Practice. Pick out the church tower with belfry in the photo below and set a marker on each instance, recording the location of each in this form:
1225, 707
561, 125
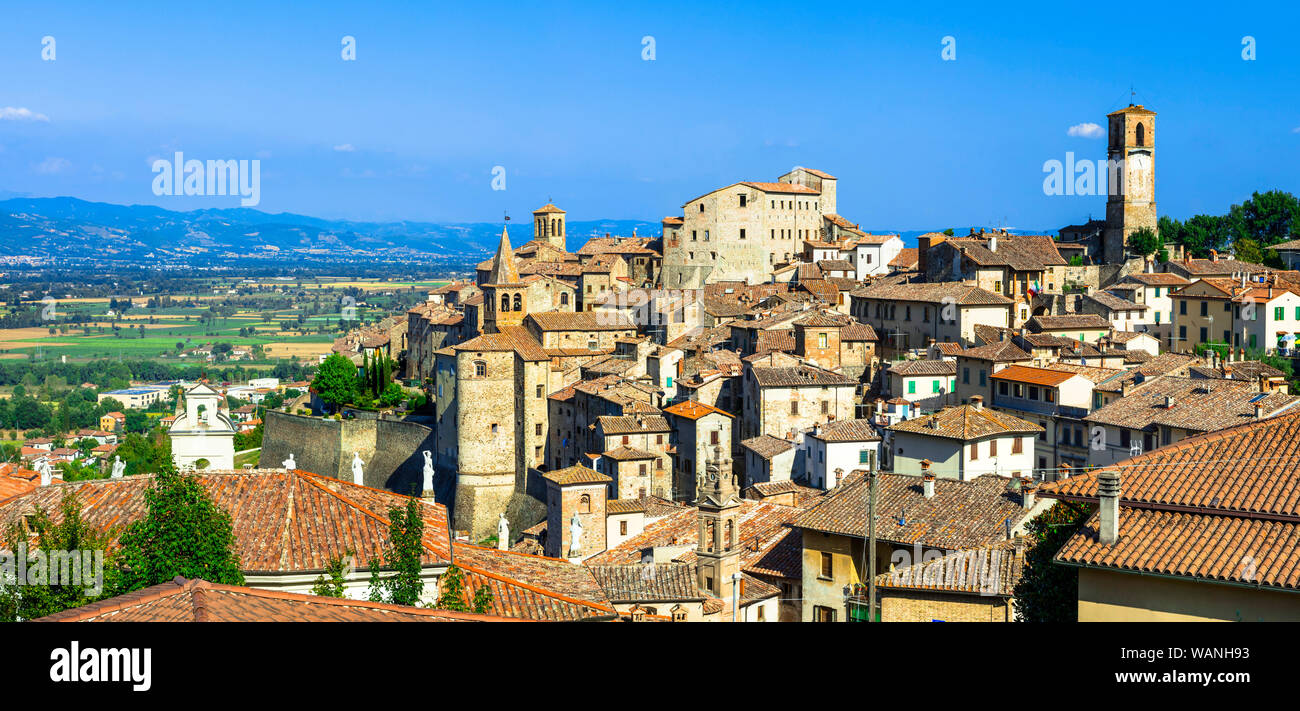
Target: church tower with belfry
505, 297
718, 550
548, 225
1131, 199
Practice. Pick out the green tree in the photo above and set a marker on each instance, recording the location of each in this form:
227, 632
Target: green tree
1048, 592
71, 534
336, 381
1248, 250
402, 552
451, 586
183, 532
333, 586
1203, 233
1266, 218
1144, 241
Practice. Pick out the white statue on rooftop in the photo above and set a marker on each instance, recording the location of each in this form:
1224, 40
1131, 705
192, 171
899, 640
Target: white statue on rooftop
289, 463
47, 475
119, 467
503, 532
428, 470
358, 474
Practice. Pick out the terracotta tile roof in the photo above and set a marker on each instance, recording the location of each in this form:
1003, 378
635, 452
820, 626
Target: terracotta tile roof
637, 582
992, 569
1068, 321
908, 258
966, 422
16, 480
184, 600
767, 446
999, 352
822, 320
532, 587
633, 424
1025, 253
933, 293
1032, 376
576, 474
845, 431
857, 331
962, 514
1156, 279
781, 188
693, 410
548, 208
805, 496
819, 173
798, 377
284, 521
624, 453
910, 368
822, 289
581, 321
770, 545
1198, 405
775, 339
625, 506
1096, 374
1251, 370
1114, 303
835, 265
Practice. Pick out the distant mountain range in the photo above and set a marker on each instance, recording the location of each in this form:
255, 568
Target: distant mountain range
66, 231
69, 231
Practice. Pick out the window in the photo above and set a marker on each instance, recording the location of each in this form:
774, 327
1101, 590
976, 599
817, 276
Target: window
713, 437
480, 369
626, 439
828, 565
1205, 308
538, 428
993, 448
911, 387
1017, 446
1182, 308
965, 376
1278, 312
494, 428
742, 202
1002, 387
974, 451
826, 407
821, 339
934, 386
659, 439
584, 504
1033, 392
622, 528
642, 469
540, 391
864, 456
1203, 335
564, 299
1049, 395
983, 378
794, 407
505, 302
518, 303
823, 614
1141, 134
742, 233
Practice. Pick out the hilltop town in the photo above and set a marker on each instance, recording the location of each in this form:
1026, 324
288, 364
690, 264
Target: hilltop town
762, 413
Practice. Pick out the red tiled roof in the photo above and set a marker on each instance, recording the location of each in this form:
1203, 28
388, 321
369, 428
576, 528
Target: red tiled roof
201, 601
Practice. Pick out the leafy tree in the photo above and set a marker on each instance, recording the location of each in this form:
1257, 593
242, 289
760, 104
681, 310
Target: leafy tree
452, 590
70, 533
183, 532
1266, 218
336, 381
1048, 592
1248, 250
333, 586
402, 553
1203, 233
1144, 241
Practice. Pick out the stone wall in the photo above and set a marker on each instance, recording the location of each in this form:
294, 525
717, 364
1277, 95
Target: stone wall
391, 449
925, 606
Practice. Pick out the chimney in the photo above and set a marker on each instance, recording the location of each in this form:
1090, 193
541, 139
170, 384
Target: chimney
927, 479
1263, 383
1028, 493
1124, 388
1169, 402
977, 402
1214, 256
1108, 495
993, 243
1259, 410
1065, 471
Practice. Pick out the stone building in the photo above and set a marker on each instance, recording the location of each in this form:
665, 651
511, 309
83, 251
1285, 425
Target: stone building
742, 231
1131, 205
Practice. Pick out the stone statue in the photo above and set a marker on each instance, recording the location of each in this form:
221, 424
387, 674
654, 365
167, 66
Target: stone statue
428, 470
119, 467
575, 537
289, 463
47, 475
503, 532
358, 475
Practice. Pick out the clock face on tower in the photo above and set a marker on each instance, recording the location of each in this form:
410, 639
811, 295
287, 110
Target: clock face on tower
1138, 178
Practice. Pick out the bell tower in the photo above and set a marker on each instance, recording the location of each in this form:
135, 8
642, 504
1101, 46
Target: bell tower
719, 545
1131, 202
505, 298
548, 225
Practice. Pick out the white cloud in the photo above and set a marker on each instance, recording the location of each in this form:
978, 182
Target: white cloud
9, 113
344, 148
1296, 129
53, 165
1086, 130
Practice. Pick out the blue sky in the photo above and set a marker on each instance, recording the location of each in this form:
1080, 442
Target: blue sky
558, 94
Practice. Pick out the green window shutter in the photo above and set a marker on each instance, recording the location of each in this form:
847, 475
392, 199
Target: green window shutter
934, 386
911, 387
1277, 313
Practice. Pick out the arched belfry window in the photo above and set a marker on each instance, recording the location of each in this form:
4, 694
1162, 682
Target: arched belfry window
731, 535
505, 302
564, 298
519, 304
1141, 134
584, 504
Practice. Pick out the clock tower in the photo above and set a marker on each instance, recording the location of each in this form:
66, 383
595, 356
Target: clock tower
1131, 203
718, 517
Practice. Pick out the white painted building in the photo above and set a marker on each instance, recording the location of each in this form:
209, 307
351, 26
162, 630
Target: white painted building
833, 450
964, 442
203, 430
